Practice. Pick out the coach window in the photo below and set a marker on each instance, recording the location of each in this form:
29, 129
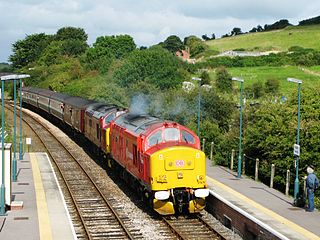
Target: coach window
171, 134
187, 137
155, 138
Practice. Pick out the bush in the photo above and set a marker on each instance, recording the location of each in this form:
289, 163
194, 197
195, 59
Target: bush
272, 85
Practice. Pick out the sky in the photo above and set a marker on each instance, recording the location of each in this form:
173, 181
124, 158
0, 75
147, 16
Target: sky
147, 21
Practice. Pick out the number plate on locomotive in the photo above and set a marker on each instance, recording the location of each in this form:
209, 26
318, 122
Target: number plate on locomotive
179, 163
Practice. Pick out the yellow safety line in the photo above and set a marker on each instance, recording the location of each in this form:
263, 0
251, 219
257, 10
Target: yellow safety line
43, 215
272, 214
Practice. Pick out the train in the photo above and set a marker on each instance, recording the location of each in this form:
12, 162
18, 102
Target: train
160, 159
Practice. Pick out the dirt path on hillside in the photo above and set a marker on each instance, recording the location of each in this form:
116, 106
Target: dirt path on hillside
310, 71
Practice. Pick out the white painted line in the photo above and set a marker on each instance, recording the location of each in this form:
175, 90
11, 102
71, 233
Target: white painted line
249, 216
63, 200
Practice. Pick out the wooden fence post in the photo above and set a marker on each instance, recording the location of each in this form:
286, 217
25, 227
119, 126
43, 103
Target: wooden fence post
287, 182
211, 151
232, 158
272, 175
203, 144
256, 172
244, 164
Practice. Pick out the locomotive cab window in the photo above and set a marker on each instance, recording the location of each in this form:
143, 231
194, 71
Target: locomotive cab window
171, 134
155, 138
187, 137
109, 118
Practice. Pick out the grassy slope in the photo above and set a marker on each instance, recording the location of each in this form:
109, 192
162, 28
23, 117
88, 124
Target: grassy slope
281, 40
256, 74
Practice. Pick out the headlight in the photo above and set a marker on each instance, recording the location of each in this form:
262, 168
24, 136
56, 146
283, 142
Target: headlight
201, 192
162, 195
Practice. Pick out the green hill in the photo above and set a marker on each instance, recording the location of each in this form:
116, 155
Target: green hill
279, 40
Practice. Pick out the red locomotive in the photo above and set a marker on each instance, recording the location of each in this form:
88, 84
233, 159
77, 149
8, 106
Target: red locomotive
161, 159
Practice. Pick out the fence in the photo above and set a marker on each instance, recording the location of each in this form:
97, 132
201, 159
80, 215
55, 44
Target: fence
252, 166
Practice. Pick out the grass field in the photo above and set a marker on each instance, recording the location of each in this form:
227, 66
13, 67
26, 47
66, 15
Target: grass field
280, 40
256, 74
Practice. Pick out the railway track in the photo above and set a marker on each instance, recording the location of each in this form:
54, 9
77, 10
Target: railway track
191, 227
94, 216
91, 215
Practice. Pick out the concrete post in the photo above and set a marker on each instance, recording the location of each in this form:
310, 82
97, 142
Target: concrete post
203, 144
211, 151
287, 182
232, 159
256, 172
272, 175
244, 164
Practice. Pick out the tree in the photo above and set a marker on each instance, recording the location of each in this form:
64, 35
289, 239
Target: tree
28, 50
257, 89
223, 80
310, 21
236, 31
277, 25
216, 109
51, 54
119, 46
195, 44
155, 65
259, 28
68, 33
106, 49
205, 78
173, 44
253, 30
213, 36
73, 47
205, 37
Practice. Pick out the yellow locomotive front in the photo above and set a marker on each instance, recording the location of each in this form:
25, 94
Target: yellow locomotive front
178, 173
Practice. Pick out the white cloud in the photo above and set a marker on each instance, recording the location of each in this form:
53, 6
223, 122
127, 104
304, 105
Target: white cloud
148, 21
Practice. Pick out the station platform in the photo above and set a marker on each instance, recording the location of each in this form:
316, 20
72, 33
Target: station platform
266, 205
44, 213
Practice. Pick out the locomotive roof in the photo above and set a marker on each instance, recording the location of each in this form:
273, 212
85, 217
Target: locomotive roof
99, 109
136, 123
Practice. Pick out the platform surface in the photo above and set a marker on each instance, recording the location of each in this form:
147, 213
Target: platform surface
44, 214
268, 205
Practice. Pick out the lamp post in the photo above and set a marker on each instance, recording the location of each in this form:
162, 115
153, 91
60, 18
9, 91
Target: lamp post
199, 102
14, 162
297, 145
240, 134
2, 191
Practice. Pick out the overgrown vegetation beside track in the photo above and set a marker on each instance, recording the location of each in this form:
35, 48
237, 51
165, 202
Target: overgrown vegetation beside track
150, 80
